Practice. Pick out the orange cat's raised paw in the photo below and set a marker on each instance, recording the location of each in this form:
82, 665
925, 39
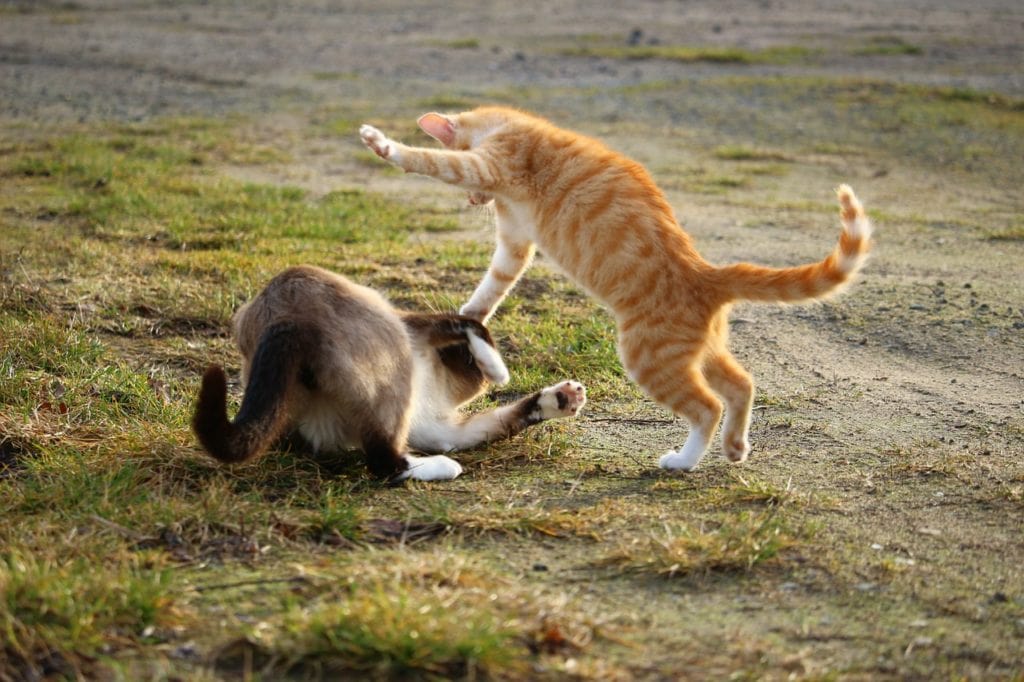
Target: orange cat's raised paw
378, 142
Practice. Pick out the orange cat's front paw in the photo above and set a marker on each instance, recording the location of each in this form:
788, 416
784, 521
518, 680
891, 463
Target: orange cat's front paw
378, 143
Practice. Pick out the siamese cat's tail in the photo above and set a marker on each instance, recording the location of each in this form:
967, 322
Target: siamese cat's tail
263, 414
747, 282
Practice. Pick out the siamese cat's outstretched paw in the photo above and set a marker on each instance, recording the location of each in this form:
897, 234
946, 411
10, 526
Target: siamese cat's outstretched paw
565, 399
434, 468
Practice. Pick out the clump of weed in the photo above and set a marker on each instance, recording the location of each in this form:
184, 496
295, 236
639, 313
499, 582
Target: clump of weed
57, 617
389, 632
736, 152
888, 45
734, 544
682, 53
401, 615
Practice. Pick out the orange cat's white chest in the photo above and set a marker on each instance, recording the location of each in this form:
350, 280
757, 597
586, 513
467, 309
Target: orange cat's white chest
517, 219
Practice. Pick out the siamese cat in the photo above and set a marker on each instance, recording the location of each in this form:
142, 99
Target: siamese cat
336, 361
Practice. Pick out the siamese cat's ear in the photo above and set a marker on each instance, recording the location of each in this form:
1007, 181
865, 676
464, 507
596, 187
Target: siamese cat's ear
488, 360
438, 127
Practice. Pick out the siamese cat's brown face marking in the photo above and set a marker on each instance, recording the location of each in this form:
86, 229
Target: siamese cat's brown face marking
334, 360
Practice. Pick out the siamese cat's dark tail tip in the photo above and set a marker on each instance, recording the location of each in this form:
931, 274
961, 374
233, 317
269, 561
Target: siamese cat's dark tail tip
210, 421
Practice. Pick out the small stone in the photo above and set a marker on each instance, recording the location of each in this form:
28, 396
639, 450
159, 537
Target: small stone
866, 587
875, 546
540, 567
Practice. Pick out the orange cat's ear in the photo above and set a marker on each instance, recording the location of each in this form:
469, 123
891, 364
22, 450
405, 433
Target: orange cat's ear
438, 127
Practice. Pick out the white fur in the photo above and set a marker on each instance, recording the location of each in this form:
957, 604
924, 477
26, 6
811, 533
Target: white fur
575, 394
488, 360
514, 226
381, 144
687, 457
434, 468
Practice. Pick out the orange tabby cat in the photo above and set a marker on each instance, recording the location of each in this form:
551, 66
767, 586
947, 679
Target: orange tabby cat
600, 217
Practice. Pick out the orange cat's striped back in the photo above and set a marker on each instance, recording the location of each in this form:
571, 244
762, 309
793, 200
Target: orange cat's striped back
603, 220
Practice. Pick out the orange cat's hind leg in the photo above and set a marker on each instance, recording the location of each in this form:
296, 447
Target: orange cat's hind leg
671, 375
729, 380
667, 366
689, 397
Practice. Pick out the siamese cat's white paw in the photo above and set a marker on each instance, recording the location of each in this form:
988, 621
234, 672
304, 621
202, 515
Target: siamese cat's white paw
379, 143
434, 468
562, 400
488, 360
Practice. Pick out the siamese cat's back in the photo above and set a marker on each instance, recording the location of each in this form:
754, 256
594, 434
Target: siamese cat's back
361, 337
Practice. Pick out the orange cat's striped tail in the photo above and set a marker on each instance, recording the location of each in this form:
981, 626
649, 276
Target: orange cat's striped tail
747, 282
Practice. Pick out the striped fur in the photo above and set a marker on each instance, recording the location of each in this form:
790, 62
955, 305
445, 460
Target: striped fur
600, 217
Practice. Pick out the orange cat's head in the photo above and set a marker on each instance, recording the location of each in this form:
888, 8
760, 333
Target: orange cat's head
468, 129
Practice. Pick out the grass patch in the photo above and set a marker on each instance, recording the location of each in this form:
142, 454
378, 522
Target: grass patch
685, 54
386, 632
734, 544
457, 43
744, 153
1012, 233
446, 103
421, 616
888, 46
59, 617
335, 75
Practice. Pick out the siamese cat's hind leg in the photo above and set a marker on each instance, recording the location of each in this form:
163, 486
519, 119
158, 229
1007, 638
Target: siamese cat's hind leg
384, 459
432, 468
564, 399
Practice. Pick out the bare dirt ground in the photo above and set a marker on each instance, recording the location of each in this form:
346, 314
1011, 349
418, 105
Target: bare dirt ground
903, 401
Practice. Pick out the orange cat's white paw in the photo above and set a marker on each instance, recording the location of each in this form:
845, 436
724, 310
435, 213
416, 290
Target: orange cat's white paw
735, 449
677, 460
379, 143
562, 400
